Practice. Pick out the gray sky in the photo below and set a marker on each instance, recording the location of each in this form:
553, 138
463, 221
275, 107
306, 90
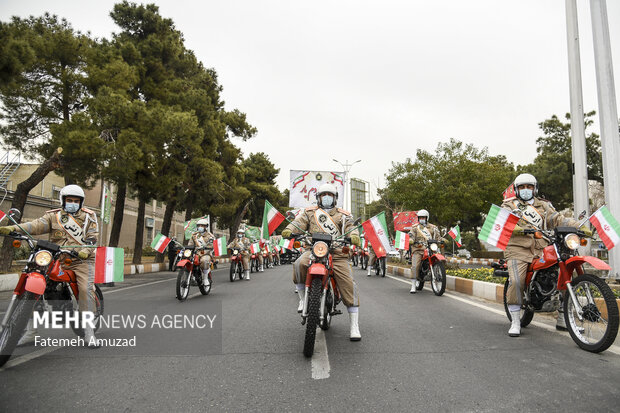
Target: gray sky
375, 80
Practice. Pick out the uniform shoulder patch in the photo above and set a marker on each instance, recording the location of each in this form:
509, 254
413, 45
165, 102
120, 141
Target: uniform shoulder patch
342, 211
88, 211
52, 210
312, 208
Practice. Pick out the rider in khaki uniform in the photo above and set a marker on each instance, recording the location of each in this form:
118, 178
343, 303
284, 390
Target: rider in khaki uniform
326, 218
242, 243
72, 224
203, 238
536, 213
372, 257
419, 234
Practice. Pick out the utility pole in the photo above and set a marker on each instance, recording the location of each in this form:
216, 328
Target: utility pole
347, 167
608, 117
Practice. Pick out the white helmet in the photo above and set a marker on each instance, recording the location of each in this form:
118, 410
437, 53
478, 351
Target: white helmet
423, 213
326, 189
71, 190
525, 179
241, 230
203, 221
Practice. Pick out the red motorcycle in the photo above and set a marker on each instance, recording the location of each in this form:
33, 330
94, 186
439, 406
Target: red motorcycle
236, 265
43, 285
189, 269
363, 257
266, 258
254, 263
433, 268
590, 308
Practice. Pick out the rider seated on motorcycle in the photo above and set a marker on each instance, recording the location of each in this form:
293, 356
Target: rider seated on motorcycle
536, 213
203, 238
372, 257
242, 243
71, 224
326, 218
419, 234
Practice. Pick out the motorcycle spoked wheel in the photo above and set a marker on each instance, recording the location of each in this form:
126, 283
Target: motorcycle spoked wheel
205, 290
183, 284
233, 271
239, 271
329, 306
526, 314
599, 327
383, 267
438, 282
252, 266
10, 335
314, 305
98, 313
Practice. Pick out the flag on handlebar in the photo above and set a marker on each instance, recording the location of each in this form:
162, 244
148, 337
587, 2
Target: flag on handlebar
160, 243
497, 228
287, 243
219, 247
271, 220
109, 265
254, 248
607, 227
455, 233
376, 232
401, 241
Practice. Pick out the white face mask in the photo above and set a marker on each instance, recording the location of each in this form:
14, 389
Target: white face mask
71, 207
327, 201
201, 229
422, 221
526, 194
239, 235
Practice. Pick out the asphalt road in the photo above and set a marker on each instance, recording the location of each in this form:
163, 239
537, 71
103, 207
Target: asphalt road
418, 353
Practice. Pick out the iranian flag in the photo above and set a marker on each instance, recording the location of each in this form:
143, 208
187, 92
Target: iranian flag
455, 233
254, 248
376, 232
607, 227
401, 241
287, 243
219, 247
498, 227
109, 263
2, 215
271, 220
160, 243
365, 243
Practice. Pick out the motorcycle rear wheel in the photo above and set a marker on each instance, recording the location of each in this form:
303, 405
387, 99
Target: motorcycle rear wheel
526, 313
16, 325
239, 271
329, 306
599, 327
314, 305
439, 280
206, 290
98, 313
183, 284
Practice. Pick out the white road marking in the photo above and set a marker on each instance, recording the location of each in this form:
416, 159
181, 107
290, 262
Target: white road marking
137, 286
320, 358
615, 349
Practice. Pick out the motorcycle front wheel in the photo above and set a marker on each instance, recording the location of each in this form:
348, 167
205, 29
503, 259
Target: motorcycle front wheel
314, 305
233, 271
598, 328
183, 279
16, 325
439, 280
526, 314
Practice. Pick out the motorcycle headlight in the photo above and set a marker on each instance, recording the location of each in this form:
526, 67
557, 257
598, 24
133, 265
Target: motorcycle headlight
320, 249
43, 258
365, 249
235, 252
572, 241
434, 247
187, 253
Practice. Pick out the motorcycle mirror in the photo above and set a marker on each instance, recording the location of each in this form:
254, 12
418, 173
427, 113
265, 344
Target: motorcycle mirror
290, 215
357, 222
91, 241
582, 215
15, 214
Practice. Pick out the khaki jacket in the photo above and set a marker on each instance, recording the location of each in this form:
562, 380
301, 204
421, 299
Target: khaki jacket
202, 240
419, 234
526, 247
240, 243
84, 223
307, 221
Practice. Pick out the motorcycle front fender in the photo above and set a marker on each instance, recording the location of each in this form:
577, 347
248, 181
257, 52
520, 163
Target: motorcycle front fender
579, 260
437, 257
185, 263
35, 283
314, 271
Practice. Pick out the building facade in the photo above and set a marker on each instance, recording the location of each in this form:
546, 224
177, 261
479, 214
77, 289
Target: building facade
359, 198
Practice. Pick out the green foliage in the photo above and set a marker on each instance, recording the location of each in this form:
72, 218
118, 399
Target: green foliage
480, 274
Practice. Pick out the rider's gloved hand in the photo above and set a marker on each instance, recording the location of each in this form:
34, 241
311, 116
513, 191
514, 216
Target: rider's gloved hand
518, 230
582, 228
356, 240
6, 230
83, 255
410, 241
287, 233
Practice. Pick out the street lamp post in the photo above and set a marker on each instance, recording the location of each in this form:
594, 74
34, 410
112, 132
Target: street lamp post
347, 167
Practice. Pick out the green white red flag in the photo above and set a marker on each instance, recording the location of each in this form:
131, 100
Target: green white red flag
2, 215
455, 233
497, 228
376, 232
607, 227
271, 220
254, 248
160, 243
219, 247
401, 241
287, 243
109, 265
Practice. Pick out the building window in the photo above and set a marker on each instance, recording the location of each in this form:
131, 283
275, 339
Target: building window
55, 192
149, 236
